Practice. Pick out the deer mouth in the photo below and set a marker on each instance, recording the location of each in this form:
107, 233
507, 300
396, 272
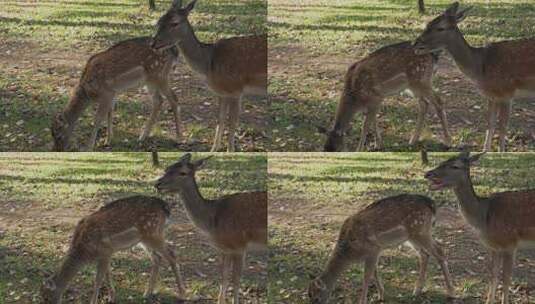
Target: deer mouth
436, 183
160, 46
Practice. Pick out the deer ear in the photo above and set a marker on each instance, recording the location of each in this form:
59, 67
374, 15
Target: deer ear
199, 164
452, 9
462, 14
176, 4
190, 6
474, 159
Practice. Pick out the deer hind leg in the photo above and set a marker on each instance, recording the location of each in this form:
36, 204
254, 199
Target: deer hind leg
420, 120
154, 274
380, 286
508, 262
103, 265
505, 113
111, 285
424, 261
103, 108
226, 267
109, 136
175, 108
369, 119
223, 112
237, 266
156, 98
234, 121
491, 121
370, 264
495, 260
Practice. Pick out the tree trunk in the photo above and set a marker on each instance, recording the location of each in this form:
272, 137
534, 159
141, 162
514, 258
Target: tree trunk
425, 159
421, 6
152, 5
155, 160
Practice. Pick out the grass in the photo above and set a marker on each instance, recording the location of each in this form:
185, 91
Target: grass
43, 195
311, 195
313, 42
47, 43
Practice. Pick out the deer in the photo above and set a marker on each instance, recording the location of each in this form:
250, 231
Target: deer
117, 226
383, 224
501, 71
233, 224
232, 68
503, 221
125, 65
387, 71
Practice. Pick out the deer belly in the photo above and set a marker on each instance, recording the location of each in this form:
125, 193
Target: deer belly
392, 237
393, 85
128, 79
123, 240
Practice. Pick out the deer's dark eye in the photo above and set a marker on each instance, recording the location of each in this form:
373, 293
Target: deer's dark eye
440, 29
175, 24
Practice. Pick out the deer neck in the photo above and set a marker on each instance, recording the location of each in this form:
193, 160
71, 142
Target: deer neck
335, 266
76, 106
468, 59
68, 270
472, 207
199, 209
197, 54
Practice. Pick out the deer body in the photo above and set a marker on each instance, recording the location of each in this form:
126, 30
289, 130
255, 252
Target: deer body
114, 227
501, 71
233, 224
504, 221
125, 65
232, 68
385, 72
383, 224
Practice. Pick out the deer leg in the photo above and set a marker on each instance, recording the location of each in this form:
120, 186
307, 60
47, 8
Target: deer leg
110, 127
104, 106
424, 261
111, 285
237, 266
370, 264
154, 274
223, 112
380, 286
168, 254
441, 113
508, 262
505, 113
103, 265
491, 120
369, 118
226, 267
495, 259
156, 106
175, 108
420, 120
377, 133
234, 120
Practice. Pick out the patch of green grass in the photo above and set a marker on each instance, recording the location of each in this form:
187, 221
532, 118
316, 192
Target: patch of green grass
313, 42
311, 194
43, 196
47, 43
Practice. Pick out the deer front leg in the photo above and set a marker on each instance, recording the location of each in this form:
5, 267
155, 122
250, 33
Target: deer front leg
157, 101
505, 113
234, 120
369, 269
495, 260
111, 285
104, 107
441, 113
424, 261
380, 286
110, 127
154, 274
175, 108
508, 264
226, 267
237, 266
103, 265
223, 112
491, 121
419, 121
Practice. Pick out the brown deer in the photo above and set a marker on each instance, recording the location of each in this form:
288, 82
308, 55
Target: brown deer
232, 68
383, 224
233, 224
117, 226
125, 65
385, 72
503, 221
501, 71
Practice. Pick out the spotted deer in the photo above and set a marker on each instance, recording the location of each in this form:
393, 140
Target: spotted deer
501, 71
383, 224
117, 226
233, 224
385, 72
232, 68
125, 65
504, 221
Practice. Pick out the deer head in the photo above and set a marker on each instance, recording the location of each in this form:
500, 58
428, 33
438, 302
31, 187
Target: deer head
452, 172
441, 30
178, 173
59, 133
172, 24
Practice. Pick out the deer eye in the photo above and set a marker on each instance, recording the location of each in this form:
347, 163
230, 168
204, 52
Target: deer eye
175, 24
441, 29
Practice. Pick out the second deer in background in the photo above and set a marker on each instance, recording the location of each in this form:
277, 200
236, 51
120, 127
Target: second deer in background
233, 224
232, 68
385, 72
383, 224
